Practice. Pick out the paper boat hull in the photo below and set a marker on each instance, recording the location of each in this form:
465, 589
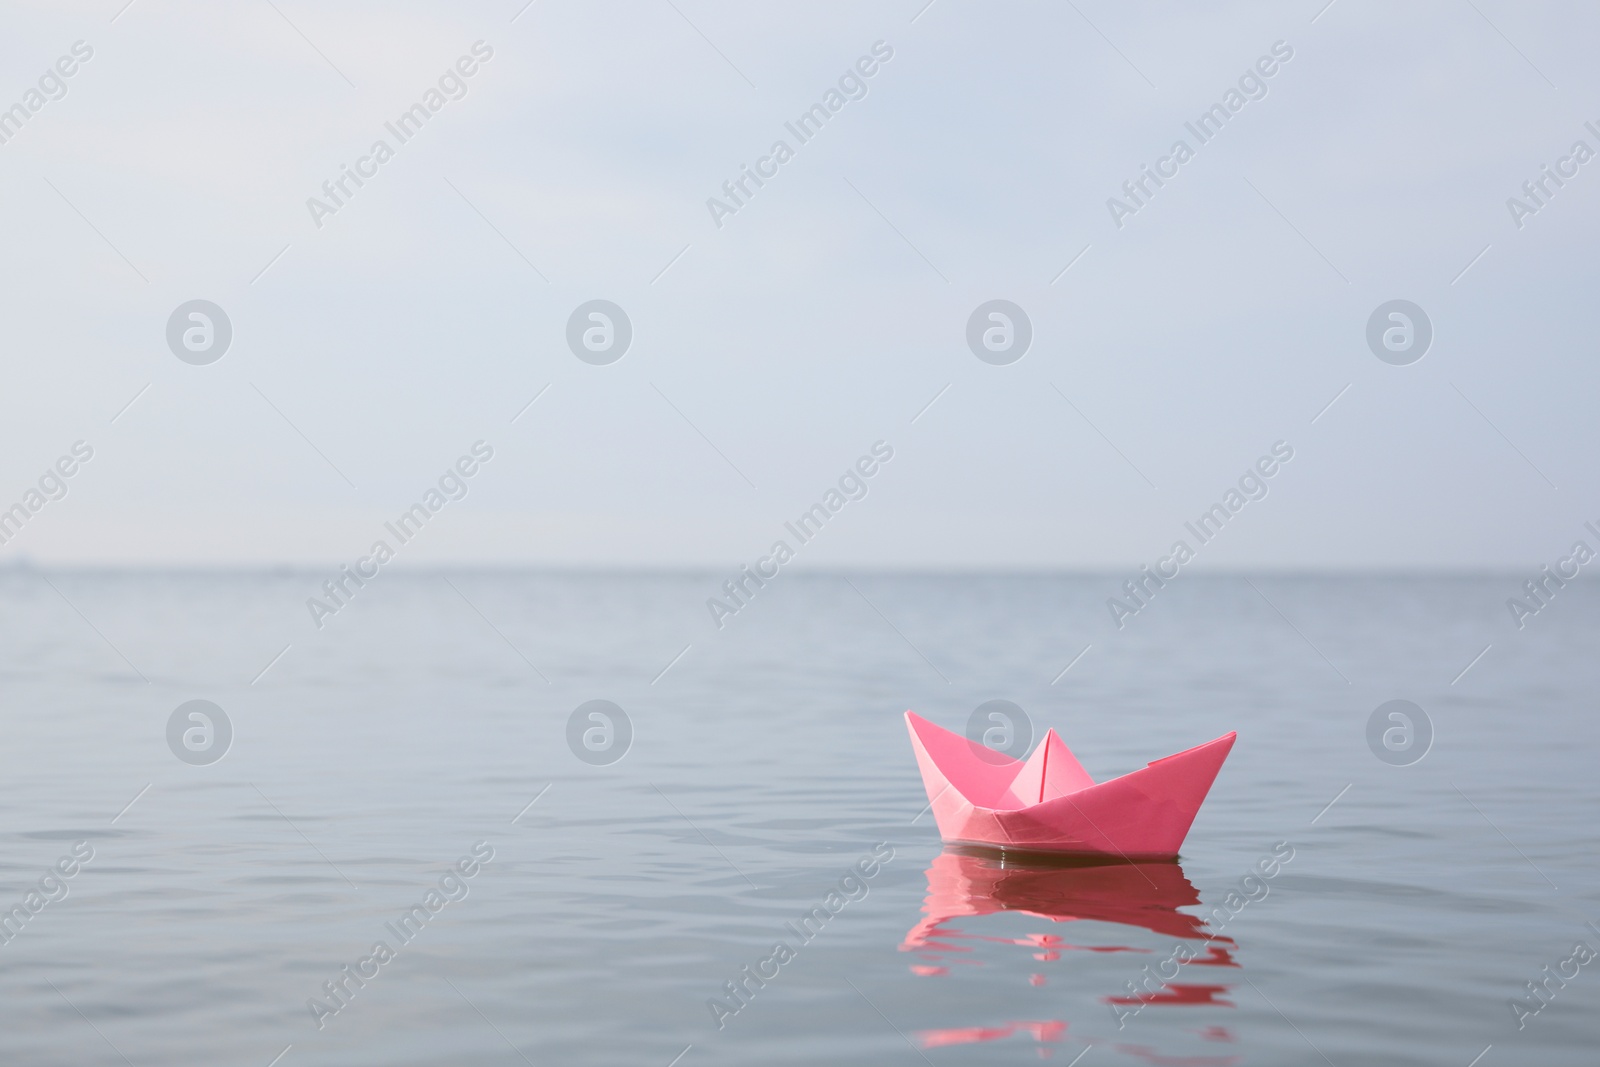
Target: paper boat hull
1142, 815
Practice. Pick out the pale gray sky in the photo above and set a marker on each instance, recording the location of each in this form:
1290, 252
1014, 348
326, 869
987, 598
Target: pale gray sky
773, 351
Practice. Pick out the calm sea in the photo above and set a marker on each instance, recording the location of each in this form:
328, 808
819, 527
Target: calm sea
426, 726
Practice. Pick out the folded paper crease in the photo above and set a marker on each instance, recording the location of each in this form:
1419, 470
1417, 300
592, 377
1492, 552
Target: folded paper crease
1049, 803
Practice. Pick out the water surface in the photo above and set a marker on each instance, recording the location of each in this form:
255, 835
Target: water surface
768, 760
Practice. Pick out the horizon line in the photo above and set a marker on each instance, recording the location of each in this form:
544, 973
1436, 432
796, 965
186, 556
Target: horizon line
23, 566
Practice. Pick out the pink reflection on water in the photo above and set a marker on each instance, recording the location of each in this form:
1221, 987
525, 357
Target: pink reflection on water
1047, 1030
966, 882
1178, 993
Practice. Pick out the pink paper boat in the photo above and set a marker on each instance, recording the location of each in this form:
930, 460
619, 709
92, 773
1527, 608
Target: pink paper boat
1050, 804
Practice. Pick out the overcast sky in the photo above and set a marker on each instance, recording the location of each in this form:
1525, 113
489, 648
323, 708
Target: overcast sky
772, 351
